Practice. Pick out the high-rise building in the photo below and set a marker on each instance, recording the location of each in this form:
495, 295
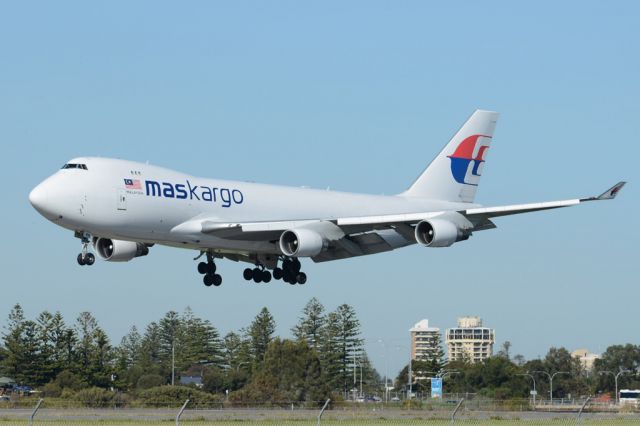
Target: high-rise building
470, 340
425, 341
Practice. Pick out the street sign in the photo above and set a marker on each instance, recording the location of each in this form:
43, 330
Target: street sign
533, 393
436, 387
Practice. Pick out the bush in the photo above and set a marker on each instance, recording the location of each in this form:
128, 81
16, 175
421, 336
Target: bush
177, 395
94, 397
51, 390
149, 381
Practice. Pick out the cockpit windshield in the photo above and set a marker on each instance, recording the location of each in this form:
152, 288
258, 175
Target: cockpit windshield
75, 166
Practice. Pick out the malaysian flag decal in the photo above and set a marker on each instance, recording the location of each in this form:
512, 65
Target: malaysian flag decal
132, 184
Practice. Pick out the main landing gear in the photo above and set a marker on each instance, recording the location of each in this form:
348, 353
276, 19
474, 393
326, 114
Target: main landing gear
258, 274
289, 272
208, 269
85, 257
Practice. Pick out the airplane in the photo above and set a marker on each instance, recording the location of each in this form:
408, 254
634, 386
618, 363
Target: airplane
122, 208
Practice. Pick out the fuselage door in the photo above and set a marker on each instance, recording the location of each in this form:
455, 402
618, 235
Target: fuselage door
122, 199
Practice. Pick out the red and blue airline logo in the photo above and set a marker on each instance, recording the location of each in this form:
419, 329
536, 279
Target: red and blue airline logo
464, 155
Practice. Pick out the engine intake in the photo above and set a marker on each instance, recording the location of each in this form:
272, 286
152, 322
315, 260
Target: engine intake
119, 250
438, 233
301, 243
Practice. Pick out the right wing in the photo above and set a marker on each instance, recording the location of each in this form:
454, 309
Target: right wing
360, 235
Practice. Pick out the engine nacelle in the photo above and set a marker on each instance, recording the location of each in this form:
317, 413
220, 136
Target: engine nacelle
438, 233
301, 243
119, 250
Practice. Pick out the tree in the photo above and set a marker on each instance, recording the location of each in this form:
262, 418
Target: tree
329, 350
291, 372
200, 341
94, 351
504, 352
261, 333
12, 338
618, 358
310, 325
347, 343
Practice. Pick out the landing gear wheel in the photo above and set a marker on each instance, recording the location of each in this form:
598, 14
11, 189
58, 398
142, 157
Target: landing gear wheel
277, 273
301, 278
90, 259
266, 276
211, 268
257, 275
81, 260
203, 268
247, 274
208, 280
217, 280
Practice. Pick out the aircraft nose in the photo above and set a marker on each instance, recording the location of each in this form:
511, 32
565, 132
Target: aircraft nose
38, 197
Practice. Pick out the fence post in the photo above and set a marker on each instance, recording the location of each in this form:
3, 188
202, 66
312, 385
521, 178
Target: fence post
453, 415
180, 412
35, 410
579, 419
324, 407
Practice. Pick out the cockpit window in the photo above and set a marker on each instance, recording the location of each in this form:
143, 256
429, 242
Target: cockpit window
75, 166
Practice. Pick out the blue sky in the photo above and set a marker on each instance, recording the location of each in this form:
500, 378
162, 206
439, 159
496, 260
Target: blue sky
356, 96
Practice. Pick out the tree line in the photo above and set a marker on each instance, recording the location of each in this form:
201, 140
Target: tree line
505, 377
250, 364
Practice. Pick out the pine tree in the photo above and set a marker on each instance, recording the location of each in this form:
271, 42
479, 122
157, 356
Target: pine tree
349, 343
261, 334
12, 338
94, 351
200, 341
309, 327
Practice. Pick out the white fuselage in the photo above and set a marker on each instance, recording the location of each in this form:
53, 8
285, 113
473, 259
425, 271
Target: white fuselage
140, 202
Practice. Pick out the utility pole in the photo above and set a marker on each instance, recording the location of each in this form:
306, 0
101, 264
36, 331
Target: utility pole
409, 378
535, 392
615, 377
551, 376
173, 361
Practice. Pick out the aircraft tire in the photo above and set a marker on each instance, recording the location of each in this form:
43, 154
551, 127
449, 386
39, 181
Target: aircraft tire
90, 259
257, 275
277, 273
207, 280
203, 267
211, 268
217, 280
247, 274
296, 265
81, 260
266, 276
301, 278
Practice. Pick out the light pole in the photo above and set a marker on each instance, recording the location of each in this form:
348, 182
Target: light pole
535, 392
615, 377
386, 371
551, 376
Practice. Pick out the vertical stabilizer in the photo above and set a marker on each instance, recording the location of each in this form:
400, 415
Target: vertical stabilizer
455, 173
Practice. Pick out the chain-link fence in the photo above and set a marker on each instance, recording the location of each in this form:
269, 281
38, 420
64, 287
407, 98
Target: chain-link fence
461, 412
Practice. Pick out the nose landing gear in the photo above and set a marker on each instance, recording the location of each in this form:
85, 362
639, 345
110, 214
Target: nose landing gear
208, 269
85, 257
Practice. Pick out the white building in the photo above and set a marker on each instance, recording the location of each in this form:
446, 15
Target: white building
586, 358
425, 341
470, 340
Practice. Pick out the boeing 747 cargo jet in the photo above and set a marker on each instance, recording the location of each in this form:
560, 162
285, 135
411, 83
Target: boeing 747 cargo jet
122, 208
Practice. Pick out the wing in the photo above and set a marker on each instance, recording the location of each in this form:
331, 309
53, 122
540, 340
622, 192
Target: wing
361, 235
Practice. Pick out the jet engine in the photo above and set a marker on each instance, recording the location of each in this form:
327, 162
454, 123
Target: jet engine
301, 243
439, 233
119, 250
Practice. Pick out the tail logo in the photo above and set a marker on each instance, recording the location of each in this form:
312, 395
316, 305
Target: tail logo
470, 152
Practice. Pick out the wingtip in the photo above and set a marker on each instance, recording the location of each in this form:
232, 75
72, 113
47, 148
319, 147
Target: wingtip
612, 192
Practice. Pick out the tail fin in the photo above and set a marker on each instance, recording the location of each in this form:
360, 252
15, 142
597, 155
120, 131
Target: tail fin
455, 173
